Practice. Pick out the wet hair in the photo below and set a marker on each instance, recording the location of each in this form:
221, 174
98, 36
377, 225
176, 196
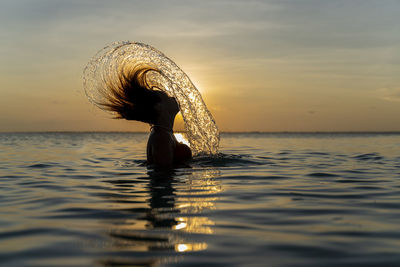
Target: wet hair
131, 97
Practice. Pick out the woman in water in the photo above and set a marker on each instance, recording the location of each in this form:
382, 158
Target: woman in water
132, 98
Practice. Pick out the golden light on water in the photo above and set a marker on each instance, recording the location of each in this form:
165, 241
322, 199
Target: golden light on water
199, 225
180, 226
190, 198
190, 247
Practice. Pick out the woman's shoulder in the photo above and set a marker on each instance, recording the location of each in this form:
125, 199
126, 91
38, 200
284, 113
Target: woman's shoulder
162, 138
160, 149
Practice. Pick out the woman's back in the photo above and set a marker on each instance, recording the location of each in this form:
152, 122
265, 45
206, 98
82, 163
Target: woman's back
160, 147
163, 150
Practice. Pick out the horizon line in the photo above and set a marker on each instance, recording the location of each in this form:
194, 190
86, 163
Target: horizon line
222, 132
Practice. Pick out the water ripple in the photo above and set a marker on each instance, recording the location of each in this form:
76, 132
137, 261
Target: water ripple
89, 199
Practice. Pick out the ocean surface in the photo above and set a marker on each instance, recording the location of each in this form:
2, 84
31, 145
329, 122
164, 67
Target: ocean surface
88, 199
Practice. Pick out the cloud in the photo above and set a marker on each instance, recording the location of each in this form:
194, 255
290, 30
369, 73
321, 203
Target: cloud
390, 94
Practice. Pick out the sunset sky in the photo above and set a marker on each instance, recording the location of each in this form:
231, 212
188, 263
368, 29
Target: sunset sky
260, 65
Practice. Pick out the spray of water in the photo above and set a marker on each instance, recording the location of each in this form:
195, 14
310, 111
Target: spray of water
201, 129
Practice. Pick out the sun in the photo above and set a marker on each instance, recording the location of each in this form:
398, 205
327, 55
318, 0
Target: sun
181, 139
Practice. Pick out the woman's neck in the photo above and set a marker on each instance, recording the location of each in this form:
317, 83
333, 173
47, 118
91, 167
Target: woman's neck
166, 121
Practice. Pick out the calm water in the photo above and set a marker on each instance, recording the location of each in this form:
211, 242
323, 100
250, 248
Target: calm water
86, 199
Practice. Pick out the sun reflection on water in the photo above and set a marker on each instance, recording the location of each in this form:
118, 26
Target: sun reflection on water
176, 205
199, 225
190, 247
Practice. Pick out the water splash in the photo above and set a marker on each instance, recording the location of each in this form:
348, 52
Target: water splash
201, 129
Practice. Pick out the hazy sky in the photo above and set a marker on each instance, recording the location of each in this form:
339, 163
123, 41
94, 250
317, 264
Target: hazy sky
260, 65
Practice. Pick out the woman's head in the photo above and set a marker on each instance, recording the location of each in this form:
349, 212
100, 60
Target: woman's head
132, 98
167, 104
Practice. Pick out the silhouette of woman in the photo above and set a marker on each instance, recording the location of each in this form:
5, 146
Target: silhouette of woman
133, 98
138, 82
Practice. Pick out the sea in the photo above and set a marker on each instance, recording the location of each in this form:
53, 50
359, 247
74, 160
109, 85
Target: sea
266, 199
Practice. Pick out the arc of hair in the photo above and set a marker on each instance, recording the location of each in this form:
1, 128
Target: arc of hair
119, 89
